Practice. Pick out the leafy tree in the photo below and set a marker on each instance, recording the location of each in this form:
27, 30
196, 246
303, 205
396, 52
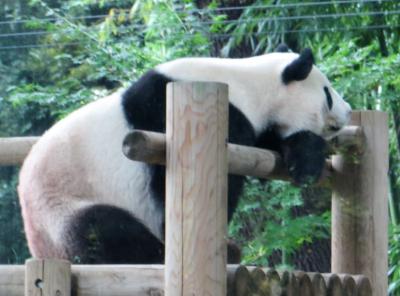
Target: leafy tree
265, 222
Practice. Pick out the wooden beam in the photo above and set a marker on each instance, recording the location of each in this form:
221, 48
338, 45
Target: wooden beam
145, 280
14, 150
149, 147
196, 189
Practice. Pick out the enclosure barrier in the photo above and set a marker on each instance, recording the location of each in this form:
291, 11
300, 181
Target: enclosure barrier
197, 161
145, 280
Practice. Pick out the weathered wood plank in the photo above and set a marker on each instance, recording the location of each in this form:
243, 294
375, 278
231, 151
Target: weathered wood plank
359, 204
145, 280
47, 277
14, 150
196, 189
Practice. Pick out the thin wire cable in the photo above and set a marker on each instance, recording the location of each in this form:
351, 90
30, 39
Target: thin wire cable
279, 6
319, 30
289, 5
254, 20
217, 35
32, 33
27, 46
304, 17
51, 19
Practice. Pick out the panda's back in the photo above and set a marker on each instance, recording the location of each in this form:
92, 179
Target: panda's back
79, 163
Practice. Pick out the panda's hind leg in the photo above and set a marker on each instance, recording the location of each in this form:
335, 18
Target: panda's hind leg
104, 234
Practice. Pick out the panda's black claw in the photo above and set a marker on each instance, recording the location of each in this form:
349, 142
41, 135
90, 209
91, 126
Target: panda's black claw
304, 155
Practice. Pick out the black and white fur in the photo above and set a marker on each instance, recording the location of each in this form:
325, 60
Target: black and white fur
83, 200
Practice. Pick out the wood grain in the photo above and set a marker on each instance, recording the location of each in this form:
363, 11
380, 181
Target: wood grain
150, 147
145, 280
14, 150
359, 204
196, 186
47, 277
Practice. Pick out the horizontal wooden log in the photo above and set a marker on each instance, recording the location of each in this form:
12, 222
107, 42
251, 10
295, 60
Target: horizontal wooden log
95, 280
149, 147
144, 280
14, 150
12, 279
101, 280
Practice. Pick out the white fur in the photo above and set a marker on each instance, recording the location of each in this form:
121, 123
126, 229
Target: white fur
256, 88
77, 163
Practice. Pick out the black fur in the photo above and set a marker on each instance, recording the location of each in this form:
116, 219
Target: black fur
144, 102
282, 48
328, 98
304, 154
105, 234
300, 68
270, 139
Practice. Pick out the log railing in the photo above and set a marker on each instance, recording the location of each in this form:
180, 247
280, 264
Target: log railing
51, 275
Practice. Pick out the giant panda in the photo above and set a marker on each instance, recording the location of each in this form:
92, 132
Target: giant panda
83, 200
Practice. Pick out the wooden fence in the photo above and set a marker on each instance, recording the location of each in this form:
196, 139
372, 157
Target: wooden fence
46, 277
198, 159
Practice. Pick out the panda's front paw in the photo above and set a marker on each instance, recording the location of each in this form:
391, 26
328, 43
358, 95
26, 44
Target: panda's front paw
304, 155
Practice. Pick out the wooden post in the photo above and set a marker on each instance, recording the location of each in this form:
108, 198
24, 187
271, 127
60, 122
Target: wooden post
47, 277
360, 205
196, 189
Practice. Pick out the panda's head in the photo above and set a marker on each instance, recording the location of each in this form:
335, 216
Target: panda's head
304, 99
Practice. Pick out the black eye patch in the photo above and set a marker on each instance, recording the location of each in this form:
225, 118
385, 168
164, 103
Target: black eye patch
328, 97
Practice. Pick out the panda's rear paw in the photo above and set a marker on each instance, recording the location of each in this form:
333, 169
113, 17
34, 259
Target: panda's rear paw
304, 155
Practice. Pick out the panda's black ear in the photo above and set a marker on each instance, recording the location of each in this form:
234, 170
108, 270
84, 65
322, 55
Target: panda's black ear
299, 68
282, 48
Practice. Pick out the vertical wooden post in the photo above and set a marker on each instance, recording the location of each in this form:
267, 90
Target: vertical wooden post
196, 192
360, 205
47, 277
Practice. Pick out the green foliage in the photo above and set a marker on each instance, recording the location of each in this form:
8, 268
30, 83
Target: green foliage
13, 248
264, 221
93, 58
394, 259
266, 23
366, 79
